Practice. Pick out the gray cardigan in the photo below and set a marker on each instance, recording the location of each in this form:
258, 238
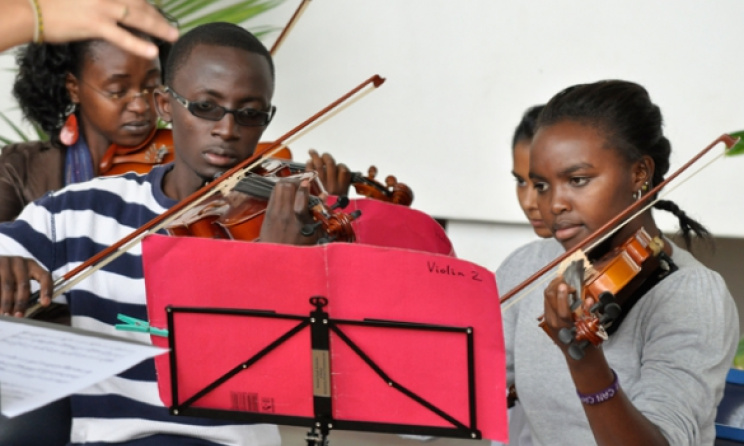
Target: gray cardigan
671, 353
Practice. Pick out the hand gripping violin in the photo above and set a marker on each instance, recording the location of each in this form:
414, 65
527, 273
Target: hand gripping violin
391, 192
238, 213
599, 288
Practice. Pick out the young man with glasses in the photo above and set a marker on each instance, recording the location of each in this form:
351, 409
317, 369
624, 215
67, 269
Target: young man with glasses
220, 86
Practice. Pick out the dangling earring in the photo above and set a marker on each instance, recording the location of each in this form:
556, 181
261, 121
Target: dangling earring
639, 193
69, 133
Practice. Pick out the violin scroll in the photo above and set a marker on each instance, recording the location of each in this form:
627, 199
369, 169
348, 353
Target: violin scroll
336, 225
392, 191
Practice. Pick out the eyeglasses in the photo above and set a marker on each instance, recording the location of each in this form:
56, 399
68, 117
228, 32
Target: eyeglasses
248, 117
124, 96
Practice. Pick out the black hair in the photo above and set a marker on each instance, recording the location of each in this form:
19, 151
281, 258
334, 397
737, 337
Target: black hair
217, 34
40, 82
632, 125
525, 131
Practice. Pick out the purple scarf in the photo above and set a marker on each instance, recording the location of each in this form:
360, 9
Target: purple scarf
78, 163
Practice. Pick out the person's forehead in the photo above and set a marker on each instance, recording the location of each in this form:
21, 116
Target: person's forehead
103, 57
204, 57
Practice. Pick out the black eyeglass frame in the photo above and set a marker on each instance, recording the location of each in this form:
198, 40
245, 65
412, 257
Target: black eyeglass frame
191, 107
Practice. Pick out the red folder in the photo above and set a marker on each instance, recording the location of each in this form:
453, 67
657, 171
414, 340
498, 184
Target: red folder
361, 283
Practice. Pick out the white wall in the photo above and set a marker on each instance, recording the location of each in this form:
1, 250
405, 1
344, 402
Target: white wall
459, 75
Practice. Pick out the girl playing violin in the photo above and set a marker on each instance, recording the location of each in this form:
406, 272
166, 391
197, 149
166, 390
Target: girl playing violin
88, 96
659, 376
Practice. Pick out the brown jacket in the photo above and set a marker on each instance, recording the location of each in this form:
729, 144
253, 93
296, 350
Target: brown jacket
28, 170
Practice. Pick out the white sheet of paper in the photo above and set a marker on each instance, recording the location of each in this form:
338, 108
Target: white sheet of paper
41, 363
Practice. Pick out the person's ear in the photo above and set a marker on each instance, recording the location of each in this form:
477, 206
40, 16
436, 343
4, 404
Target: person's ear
72, 85
162, 104
643, 173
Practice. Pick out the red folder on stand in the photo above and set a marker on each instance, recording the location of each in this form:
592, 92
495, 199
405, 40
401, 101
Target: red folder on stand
403, 341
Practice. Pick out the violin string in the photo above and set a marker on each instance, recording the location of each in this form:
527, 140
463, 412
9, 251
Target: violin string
670, 189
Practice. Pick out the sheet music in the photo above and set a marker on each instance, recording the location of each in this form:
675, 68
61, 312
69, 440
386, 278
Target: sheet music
41, 363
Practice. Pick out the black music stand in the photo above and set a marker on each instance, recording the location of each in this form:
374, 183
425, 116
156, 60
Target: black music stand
317, 330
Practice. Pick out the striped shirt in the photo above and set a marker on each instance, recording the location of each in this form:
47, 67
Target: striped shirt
66, 228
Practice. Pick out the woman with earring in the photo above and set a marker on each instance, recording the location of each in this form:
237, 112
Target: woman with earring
659, 376
94, 101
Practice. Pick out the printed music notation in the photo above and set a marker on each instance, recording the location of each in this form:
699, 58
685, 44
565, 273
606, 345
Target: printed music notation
44, 362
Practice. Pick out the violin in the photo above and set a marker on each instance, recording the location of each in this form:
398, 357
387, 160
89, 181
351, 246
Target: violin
392, 191
599, 288
156, 149
239, 213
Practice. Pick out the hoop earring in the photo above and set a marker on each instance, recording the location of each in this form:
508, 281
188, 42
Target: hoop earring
70, 131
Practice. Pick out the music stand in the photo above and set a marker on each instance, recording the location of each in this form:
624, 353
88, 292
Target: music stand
317, 329
254, 293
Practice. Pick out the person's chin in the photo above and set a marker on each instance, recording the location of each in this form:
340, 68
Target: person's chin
134, 134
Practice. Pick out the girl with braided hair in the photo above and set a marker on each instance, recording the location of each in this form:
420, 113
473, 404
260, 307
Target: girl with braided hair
659, 377
90, 97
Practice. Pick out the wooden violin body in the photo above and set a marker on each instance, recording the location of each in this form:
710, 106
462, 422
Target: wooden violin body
601, 286
239, 213
156, 149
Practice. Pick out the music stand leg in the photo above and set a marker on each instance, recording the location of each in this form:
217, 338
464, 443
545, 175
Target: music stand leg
317, 437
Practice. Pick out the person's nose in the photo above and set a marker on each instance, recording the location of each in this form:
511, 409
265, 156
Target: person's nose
226, 128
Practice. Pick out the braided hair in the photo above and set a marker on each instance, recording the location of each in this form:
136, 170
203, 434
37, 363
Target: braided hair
40, 84
633, 126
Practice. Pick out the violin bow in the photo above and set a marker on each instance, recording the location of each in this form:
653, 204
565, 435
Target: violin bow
232, 176
290, 25
636, 208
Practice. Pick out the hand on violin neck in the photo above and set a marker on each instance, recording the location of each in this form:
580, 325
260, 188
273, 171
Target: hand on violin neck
287, 214
559, 312
335, 178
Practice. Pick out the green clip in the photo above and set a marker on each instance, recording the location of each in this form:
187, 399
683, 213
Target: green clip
134, 324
